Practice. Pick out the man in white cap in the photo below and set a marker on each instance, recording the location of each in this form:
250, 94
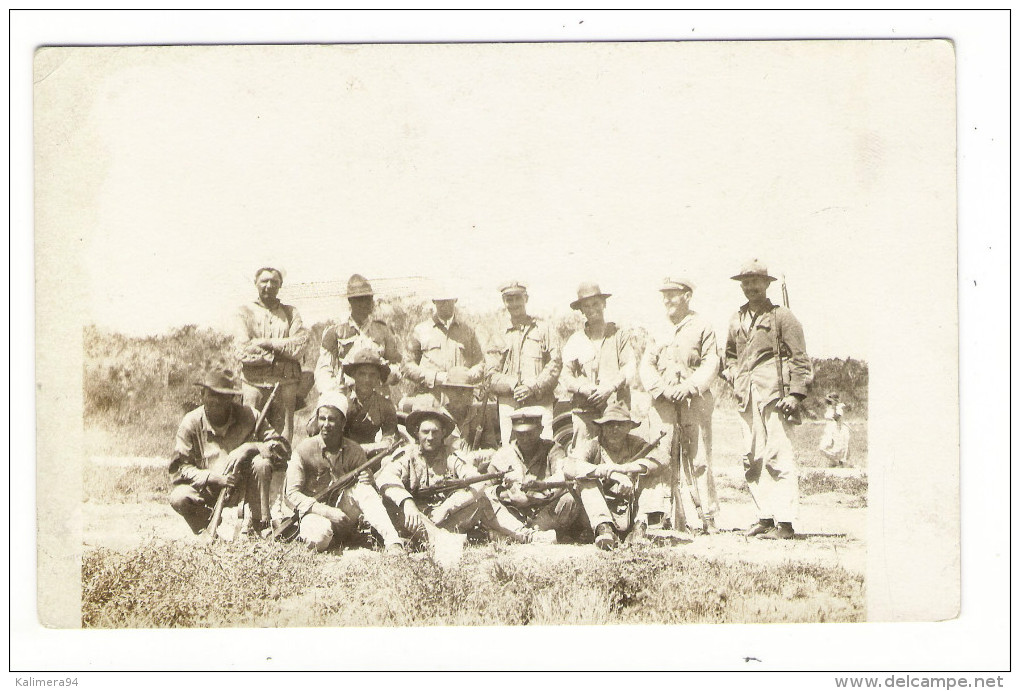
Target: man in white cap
270, 339
524, 361
321, 460
768, 366
217, 447
598, 363
361, 328
610, 471
677, 370
405, 481
529, 458
439, 344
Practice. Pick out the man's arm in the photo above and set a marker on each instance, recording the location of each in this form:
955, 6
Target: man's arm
572, 375
247, 352
293, 344
184, 461
801, 370
498, 353
550, 374
412, 367
702, 377
474, 356
394, 478
730, 354
327, 367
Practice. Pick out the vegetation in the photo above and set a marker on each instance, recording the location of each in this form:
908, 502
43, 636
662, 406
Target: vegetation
137, 389
162, 584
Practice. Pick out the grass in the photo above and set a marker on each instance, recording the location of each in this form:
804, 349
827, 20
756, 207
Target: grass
119, 485
166, 584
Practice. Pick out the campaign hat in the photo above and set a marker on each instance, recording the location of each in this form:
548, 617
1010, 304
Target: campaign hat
588, 289
753, 268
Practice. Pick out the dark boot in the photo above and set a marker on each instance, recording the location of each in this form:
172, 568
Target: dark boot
761, 527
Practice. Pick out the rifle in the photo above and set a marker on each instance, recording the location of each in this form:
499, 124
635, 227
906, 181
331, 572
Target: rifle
480, 428
539, 485
461, 483
286, 526
687, 470
795, 416
221, 500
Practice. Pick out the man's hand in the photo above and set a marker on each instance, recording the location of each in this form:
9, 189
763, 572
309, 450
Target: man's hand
333, 514
276, 449
622, 484
600, 395
521, 392
221, 482
414, 522
788, 404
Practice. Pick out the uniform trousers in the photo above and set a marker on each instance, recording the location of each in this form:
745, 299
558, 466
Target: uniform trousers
769, 465
355, 502
196, 504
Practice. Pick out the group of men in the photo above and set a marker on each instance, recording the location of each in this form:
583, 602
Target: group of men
472, 447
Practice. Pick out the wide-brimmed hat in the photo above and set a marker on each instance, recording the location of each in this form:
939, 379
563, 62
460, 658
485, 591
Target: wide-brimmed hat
366, 356
358, 287
752, 269
458, 377
616, 412
588, 290
526, 418
219, 381
334, 399
512, 288
672, 283
428, 409
832, 398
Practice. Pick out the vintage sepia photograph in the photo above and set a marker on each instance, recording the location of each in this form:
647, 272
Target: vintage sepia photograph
429, 335
486, 334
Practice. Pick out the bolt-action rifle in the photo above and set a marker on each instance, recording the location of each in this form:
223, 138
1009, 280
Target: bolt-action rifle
287, 530
460, 483
221, 500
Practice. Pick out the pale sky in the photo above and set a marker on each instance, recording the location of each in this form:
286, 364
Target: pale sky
177, 171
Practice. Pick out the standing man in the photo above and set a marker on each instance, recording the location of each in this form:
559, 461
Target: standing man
359, 328
598, 363
321, 460
524, 362
770, 371
438, 345
270, 339
212, 452
677, 370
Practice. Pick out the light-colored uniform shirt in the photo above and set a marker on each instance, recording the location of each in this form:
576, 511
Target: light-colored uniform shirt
436, 347
282, 327
410, 472
583, 460
607, 361
686, 354
527, 353
313, 468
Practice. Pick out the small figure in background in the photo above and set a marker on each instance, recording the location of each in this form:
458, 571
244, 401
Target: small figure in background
835, 442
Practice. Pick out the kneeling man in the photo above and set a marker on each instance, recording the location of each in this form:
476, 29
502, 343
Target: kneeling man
321, 460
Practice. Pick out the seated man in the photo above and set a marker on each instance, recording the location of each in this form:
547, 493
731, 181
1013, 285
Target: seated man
476, 423
529, 459
604, 467
406, 480
216, 449
373, 417
321, 460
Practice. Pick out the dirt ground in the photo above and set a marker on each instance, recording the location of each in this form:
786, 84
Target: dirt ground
832, 527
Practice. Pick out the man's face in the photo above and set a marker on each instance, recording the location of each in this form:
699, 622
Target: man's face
458, 397
516, 304
593, 308
361, 307
217, 405
331, 424
366, 377
444, 309
754, 288
268, 284
677, 302
612, 434
527, 436
431, 435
